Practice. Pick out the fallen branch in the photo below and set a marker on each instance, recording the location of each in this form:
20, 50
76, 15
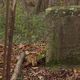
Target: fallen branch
18, 67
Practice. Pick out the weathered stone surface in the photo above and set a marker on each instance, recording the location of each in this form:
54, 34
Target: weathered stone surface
64, 44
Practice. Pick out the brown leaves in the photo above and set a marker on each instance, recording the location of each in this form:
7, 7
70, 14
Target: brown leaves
39, 73
32, 58
42, 73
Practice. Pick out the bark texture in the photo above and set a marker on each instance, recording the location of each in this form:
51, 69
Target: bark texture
18, 67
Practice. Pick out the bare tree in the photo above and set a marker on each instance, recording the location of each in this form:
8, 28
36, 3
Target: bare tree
2, 3
29, 5
10, 20
5, 48
41, 5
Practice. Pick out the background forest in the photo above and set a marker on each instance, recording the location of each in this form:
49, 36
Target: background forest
35, 24
42, 39
27, 28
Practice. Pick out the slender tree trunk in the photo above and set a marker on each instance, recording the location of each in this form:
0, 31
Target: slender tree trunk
77, 2
41, 5
10, 20
5, 49
2, 3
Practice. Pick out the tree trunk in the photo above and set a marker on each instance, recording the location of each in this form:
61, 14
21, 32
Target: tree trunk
41, 5
2, 3
10, 21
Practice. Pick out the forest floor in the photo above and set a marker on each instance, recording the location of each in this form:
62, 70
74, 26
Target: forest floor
38, 71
